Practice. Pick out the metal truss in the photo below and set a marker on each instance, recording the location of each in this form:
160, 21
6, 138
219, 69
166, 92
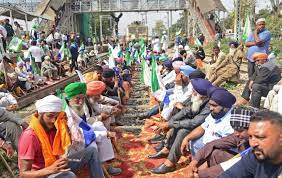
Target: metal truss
79, 6
26, 5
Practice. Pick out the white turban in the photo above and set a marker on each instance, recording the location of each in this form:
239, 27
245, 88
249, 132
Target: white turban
180, 47
50, 103
260, 20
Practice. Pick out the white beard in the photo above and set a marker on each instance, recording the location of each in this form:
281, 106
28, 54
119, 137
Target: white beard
197, 101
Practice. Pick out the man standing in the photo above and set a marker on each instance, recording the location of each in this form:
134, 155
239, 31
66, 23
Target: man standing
10, 30
74, 55
258, 41
43, 147
164, 41
265, 159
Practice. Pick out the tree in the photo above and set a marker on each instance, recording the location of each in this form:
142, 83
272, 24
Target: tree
159, 28
275, 4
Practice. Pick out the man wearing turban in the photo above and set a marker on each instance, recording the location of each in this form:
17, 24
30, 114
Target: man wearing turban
181, 124
79, 118
216, 124
266, 75
95, 75
44, 146
100, 104
182, 90
229, 67
218, 152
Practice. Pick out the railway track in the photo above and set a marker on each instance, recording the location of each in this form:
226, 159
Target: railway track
39, 93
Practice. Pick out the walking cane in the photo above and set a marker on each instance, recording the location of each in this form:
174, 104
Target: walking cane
7, 166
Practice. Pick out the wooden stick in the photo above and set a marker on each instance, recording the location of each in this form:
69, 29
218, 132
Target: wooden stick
115, 146
107, 175
7, 166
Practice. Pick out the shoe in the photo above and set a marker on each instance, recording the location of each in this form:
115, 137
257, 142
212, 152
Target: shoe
114, 171
160, 146
163, 169
158, 155
157, 139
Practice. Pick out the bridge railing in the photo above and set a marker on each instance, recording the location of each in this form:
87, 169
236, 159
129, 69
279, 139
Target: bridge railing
127, 5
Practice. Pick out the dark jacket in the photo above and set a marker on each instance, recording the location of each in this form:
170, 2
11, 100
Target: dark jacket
249, 167
187, 119
269, 74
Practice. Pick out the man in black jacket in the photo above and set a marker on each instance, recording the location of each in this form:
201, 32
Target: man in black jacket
266, 75
265, 158
183, 123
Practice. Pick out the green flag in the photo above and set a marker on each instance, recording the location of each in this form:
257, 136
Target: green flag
128, 58
154, 78
247, 28
143, 70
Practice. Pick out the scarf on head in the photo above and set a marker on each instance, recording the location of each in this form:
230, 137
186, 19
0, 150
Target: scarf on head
61, 142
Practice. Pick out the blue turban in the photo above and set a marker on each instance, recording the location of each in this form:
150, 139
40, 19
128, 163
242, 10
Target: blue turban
201, 86
222, 97
186, 70
149, 58
168, 64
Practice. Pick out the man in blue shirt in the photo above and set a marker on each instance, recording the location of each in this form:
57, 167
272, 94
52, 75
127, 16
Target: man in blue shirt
258, 41
265, 159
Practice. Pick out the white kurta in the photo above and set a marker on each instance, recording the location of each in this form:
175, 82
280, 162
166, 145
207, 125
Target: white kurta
147, 75
6, 99
156, 45
180, 94
104, 145
164, 42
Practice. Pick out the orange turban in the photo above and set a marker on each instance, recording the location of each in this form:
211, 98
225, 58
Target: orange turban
95, 88
260, 56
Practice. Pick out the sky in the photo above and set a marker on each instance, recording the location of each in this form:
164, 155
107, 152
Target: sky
152, 17
127, 18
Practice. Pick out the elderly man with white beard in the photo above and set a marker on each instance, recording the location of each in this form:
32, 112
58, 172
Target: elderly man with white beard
182, 124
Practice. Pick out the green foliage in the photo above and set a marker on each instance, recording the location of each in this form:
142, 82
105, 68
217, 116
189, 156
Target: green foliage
159, 28
229, 85
177, 26
223, 47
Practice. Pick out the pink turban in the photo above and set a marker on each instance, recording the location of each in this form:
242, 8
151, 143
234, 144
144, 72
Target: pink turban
177, 64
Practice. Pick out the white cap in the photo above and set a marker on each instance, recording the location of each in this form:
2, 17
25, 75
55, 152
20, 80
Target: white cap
260, 20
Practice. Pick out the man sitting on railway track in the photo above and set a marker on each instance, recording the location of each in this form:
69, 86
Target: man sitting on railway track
8, 101
210, 157
44, 146
266, 75
49, 70
181, 124
96, 100
11, 126
81, 123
